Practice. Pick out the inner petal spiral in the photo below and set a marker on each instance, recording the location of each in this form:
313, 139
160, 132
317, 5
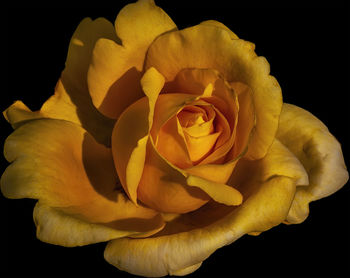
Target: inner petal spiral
197, 120
192, 134
196, 126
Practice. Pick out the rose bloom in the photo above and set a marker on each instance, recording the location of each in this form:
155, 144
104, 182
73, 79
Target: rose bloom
168, 144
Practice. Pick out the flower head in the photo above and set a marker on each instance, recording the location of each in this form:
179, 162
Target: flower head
170, 143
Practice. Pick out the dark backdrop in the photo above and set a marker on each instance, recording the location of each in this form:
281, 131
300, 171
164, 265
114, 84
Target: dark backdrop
307, 48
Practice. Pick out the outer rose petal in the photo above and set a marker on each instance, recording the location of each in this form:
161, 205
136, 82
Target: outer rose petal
220, 25
116, 69
205, 46
18, 113
71, 100
72, 231
320, 153
59, 163
269, 190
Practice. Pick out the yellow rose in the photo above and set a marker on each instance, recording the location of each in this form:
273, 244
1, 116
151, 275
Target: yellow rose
169, 143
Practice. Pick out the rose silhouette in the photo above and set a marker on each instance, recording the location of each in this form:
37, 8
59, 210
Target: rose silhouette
193, 197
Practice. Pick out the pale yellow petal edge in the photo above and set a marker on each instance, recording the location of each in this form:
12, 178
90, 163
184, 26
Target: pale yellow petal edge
320, 153
56, 227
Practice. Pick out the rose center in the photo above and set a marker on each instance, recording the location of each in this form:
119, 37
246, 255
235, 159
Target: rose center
198, 130
197, 121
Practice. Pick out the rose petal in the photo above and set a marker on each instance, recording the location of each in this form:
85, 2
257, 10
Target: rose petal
130, 134
224, 142
57, 227
221, 193
192, 81
220, 25
194, 236
116, 69
165, 129
219, 173
129, 139
138, 24
171, 145
114, 78
18, 113
201, 127
320, 153
195, 81
163, 186
246, 118
152, 83
198, 136
166, 107
71, 100
199, 147
59, 163
204, 46
280, 162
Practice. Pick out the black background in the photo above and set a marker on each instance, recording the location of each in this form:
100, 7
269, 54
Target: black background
308, 50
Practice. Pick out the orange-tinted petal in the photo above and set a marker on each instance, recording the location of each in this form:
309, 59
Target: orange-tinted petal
201, 127
224, 142
219, 173
166, 107
195, 81
199, 147
195, 127
191, 81
246, 121
164, 187
172, 146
